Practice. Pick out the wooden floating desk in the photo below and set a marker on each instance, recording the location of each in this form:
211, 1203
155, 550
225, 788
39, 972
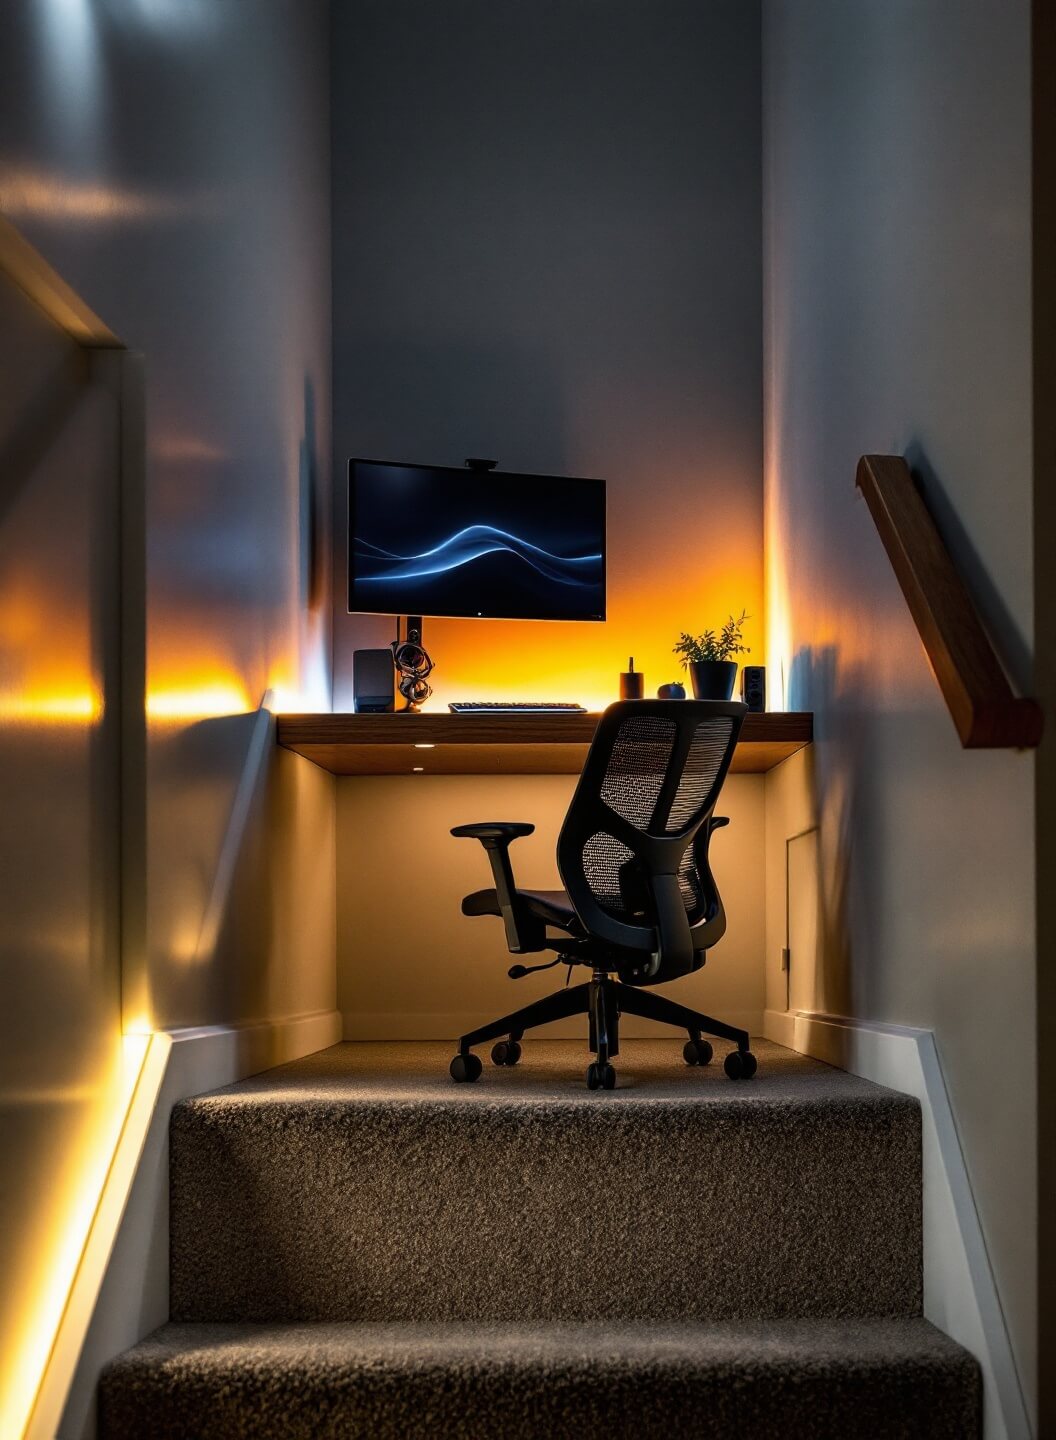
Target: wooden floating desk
444, 744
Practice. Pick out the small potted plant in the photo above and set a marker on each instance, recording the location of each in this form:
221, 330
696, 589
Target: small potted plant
707, 658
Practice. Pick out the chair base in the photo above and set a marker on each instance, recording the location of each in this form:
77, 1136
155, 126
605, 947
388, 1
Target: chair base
604, 999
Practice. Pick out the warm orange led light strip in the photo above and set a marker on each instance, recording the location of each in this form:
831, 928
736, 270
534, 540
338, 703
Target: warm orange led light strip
55, 1334
198, 702
50, 707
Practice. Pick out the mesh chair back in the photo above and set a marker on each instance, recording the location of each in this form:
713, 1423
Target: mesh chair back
642, 812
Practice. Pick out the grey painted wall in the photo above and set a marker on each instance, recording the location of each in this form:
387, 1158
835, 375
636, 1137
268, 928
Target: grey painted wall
1043, 45
171, 161
898, 319
546, 249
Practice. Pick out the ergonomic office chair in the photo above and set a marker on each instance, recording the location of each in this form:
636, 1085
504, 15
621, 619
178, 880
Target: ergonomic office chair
640, 906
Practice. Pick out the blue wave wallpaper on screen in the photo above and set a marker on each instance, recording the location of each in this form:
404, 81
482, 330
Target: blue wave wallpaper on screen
436, 541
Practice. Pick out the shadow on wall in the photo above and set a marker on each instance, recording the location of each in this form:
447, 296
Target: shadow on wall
1009, 641
237, 937
311, 522
26, 445
837, 773
261, 897
278, 934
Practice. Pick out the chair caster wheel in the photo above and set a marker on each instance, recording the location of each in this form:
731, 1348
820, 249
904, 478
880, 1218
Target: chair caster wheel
601, 1077
697, 1052
506, 1052
740, 1064
466, 1067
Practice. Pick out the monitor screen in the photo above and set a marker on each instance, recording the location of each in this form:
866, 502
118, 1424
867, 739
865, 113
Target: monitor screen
430, 540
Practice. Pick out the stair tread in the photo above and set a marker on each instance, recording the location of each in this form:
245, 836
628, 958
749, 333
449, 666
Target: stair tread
649, 1072
868, 1377
341, 1344
361, 1184
360, 1249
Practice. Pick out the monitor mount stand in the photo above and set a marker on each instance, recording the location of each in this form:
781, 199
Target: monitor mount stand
413, 665
409, 655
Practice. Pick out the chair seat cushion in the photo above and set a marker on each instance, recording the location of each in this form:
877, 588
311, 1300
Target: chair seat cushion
552, 906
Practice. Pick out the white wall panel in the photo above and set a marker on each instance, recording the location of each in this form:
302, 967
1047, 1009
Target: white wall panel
898, 320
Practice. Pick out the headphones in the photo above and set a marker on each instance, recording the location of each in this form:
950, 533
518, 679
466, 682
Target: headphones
412, 664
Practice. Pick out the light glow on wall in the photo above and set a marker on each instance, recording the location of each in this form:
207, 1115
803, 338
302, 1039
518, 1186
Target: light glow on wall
70, 52
173, 19
35, 706
649, 603
187, 449
299, 685
41, 195
30, 1351
179, 704
47, 676
778, 636
779, 643
290, 700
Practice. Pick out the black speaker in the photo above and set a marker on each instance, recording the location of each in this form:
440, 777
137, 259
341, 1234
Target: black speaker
753, 687
373, 681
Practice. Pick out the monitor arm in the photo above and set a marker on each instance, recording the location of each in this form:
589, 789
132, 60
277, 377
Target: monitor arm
525, 933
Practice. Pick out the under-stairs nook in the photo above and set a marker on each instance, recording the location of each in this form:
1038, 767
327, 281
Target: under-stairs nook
527, 666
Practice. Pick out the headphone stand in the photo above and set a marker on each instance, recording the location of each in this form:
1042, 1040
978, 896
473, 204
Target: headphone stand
413, 666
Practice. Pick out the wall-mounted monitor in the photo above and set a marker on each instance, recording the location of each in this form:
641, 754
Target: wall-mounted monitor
434, 540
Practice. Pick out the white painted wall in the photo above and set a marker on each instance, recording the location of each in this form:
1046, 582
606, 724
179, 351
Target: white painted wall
898, 319
60, 1047
171, 162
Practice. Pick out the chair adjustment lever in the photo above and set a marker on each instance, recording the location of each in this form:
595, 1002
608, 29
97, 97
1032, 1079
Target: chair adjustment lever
518, 972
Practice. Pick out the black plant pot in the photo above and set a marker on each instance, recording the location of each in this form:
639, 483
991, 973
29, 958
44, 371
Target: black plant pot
713, 679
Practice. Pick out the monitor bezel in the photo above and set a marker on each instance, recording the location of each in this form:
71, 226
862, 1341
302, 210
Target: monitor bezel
462, 471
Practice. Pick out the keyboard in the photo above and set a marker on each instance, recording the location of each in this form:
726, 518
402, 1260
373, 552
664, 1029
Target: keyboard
515, 707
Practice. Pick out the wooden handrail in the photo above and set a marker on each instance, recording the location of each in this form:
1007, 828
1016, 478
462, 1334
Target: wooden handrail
980, 700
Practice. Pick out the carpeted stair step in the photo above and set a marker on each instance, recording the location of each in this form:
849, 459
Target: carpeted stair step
362, 1185
801, 1380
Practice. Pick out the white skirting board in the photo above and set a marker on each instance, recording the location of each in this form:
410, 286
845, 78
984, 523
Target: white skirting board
960, 1295
133, 1296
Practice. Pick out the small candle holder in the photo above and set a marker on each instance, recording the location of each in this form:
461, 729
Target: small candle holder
632, 682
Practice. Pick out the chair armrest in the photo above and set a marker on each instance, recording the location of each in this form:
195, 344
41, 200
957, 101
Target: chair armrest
525, 933
493, 830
